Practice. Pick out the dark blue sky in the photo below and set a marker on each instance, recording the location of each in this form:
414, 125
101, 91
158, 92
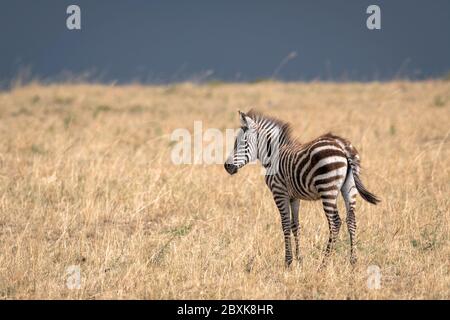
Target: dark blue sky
162, 41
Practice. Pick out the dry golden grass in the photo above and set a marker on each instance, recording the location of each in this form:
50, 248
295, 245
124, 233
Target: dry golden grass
86, 179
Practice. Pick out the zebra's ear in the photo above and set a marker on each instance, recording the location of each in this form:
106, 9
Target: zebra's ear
246, 121
243, 117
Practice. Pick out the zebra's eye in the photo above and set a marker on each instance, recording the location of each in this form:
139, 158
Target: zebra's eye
244, 129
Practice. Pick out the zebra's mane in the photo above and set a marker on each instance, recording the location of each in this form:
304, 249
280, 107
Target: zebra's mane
268, 121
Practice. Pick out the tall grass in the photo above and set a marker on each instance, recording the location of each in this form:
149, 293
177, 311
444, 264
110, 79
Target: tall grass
86, 179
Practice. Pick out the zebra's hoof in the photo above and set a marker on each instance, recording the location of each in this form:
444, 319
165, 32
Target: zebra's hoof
287, 264
322, 265
353, 260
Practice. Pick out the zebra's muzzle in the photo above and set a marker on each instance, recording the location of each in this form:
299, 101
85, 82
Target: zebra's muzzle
231, 168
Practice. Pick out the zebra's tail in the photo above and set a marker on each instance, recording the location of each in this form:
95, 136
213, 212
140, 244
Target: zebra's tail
354, 162
365, 194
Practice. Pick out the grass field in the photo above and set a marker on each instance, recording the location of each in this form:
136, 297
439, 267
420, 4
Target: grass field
86, 179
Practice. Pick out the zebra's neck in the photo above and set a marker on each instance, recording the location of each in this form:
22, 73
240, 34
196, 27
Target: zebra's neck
271, 138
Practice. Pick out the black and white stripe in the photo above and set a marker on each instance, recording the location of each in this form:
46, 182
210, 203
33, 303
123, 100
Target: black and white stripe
317, 170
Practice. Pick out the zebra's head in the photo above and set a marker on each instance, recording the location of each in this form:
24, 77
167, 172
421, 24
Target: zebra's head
245, 145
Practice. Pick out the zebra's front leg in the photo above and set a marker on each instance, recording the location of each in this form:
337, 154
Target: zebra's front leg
283, 207
295, 225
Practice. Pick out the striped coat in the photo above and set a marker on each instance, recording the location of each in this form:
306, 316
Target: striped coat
318, 170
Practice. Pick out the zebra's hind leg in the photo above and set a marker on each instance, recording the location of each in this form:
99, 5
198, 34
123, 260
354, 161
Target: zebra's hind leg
349, 193
295, 226
329, 201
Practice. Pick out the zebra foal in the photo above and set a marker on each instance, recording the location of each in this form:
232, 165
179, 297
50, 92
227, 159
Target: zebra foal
317, 170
